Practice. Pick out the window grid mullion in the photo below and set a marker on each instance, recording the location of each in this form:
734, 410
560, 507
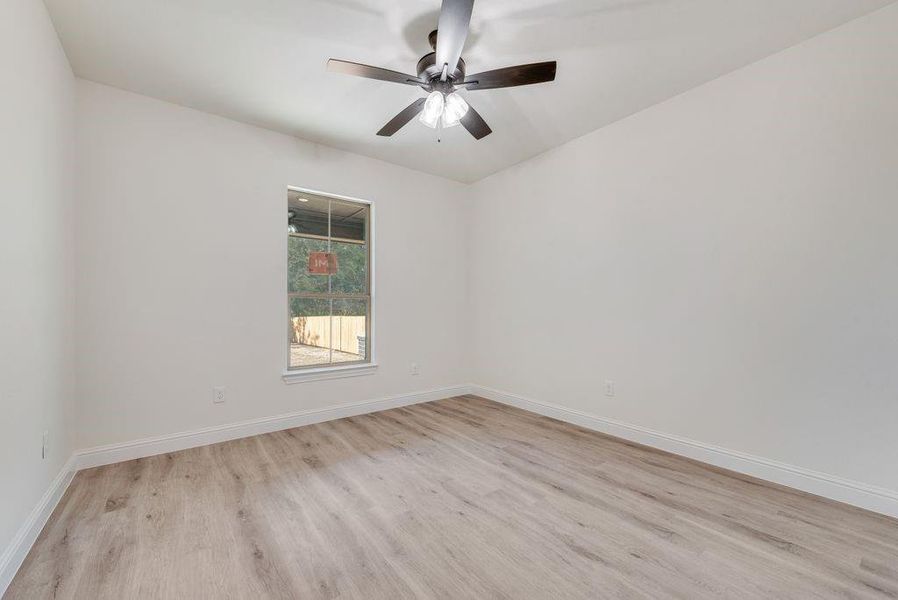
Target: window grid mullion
330, 284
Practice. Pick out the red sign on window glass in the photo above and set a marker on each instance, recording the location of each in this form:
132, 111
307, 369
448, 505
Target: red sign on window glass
322, 263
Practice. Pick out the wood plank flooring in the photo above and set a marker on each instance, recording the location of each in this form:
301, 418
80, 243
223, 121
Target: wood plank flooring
460, 498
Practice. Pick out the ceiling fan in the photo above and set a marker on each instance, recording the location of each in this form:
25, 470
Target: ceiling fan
442, 74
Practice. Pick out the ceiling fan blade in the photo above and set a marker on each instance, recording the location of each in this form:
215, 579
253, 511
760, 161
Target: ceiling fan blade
398, 122
474, 123
350, 68
452, 31
511, 76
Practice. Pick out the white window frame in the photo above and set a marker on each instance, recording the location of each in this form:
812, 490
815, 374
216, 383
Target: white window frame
337, 371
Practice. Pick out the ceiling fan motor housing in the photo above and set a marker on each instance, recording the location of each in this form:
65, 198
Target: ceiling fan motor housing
429, 71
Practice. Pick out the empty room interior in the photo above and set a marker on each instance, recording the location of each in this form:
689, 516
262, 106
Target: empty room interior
444, 299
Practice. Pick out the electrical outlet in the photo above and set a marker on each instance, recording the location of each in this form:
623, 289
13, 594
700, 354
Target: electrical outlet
218, 394
609, 388
413, 368
45, 444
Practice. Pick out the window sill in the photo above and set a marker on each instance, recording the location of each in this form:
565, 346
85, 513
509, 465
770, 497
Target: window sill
323, 373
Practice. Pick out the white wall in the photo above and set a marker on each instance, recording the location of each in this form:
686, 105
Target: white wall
729, 258
181, 255
36, 298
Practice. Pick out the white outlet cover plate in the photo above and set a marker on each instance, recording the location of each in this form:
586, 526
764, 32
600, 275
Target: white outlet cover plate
218, 395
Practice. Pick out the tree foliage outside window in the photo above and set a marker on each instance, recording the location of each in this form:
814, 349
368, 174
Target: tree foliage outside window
351, 275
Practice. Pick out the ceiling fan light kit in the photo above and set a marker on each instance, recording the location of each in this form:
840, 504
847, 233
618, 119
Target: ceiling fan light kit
441, 73
446, 111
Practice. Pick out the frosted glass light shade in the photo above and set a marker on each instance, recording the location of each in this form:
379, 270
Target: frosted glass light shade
455, 109
433, 108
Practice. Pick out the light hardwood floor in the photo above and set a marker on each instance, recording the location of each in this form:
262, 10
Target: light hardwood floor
460, 498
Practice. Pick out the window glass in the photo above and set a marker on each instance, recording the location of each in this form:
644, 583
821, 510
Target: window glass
328, 280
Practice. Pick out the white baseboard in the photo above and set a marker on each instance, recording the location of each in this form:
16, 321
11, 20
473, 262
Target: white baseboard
18, 548
872, 498
113, 453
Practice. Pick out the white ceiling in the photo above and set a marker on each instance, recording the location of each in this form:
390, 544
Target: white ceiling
263, 62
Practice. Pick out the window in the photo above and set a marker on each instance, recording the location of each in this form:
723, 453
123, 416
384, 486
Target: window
328, 281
